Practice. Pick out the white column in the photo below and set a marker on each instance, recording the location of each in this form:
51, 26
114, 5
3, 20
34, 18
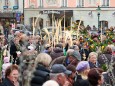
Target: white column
41, 3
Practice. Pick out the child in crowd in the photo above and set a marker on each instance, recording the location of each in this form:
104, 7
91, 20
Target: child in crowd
5, 65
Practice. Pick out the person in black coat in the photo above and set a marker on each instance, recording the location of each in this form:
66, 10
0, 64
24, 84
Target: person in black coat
82, 72
7, 82
41, 73
80, 82
13, 50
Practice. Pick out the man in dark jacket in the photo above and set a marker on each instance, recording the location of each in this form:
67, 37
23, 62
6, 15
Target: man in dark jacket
73, 57
13, 50
40, 76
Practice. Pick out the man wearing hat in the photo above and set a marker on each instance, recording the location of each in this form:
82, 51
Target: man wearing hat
61, 74
59, 68
73, 58
47, 49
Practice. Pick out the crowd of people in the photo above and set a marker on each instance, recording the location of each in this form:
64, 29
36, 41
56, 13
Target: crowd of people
29, 60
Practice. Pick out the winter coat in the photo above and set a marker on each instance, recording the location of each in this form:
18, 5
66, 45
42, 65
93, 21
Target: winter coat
80, 82
7, 82
59, 60
41, 75
105, 58
57, 52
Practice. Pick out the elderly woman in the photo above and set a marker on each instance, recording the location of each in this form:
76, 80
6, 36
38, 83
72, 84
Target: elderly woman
106, 61
82, 72
95, 77
92, 59
105, 57
11, 76
41, 73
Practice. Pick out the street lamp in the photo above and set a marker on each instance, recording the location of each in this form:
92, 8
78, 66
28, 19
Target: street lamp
98, 14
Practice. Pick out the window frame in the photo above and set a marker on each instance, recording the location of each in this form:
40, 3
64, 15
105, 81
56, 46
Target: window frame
105, 3
80, 3
6, 2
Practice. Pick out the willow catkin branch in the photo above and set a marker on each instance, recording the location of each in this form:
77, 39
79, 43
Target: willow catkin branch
47, 32
37, 19
78, 28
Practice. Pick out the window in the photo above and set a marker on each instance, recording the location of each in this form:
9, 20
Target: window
47, 23
16, 3
64, 3
92, 2
105, 2
6, 2
80, 3
104, 24
41, 3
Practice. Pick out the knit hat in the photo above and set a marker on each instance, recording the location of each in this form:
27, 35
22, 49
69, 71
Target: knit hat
83, 65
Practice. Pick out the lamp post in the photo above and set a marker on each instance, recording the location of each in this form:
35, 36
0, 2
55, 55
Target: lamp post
13, 17
23, 12
98, 15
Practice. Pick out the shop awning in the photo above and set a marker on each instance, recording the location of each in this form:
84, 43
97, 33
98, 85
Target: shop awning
68, 13
58, 13
7, 15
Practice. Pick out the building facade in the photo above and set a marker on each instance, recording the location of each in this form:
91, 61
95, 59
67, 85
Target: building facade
85, 10
11, 11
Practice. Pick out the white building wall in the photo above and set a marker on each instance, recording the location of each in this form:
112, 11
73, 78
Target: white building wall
79, 13
11, 4
21, 5
105, 15
34, 13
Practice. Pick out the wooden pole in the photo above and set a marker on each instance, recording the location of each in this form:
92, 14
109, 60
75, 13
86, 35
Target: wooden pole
71, 23
33, 27
101, 32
